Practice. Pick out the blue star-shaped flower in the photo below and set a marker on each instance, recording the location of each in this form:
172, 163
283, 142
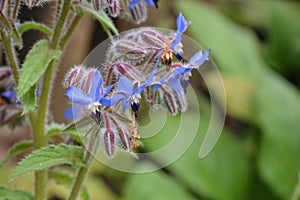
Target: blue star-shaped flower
129, 94
92, 101
180, 78
134, 2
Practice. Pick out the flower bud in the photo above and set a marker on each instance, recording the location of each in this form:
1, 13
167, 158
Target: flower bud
74, 76
109, 142
152, 38
86, 80
114, 8
100, 4
5, 73
127, 70
139, 12
124, 138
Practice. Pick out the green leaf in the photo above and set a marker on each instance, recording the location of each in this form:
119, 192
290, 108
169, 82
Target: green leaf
36, 62
29, 100
35, 26
15, 150
10, 194
154, 185
274, 103
100, 16
68, 181
278, 114
219, 175
50, 156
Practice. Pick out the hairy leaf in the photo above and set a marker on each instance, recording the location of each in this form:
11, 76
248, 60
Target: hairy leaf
35, 26
11, 194
50, 156
29, 100
36, 62
100, 16
15, 150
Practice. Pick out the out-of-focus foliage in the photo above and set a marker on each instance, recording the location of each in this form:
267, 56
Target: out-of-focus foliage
263, 163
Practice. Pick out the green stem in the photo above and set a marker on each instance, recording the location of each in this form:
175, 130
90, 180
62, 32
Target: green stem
11, 56
71, 29
83, 171
39, 131
60, 24
16, 8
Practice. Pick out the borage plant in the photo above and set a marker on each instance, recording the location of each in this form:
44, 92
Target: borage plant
105, 101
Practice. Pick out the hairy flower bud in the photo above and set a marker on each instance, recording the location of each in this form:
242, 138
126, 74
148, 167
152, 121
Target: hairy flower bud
114, 8
138, 13
74, 76
109, 142
127, 70
100, 4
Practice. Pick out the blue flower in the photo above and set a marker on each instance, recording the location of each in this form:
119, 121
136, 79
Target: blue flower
129, 93
92, 101
10, 94
182, 25
134, 2
181, 75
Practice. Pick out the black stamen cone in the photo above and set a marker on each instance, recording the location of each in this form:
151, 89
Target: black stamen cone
135, 107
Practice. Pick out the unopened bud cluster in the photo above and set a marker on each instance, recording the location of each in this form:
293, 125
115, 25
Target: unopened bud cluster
144, 62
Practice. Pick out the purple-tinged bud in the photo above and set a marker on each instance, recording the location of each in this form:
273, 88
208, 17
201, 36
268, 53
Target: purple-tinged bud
114, 8
182, 102
170, 100
100, 4
124, 138
127, 47
139, 12
5, 73
127, 70
109, 142
86, 80
74, 76
152, 38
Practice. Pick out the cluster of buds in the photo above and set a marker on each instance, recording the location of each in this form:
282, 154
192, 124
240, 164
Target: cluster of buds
133, 10
10, 107
143, 62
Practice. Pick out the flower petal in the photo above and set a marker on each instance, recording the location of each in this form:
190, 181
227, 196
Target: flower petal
72, 112
133, 3
125, 86
147, 83
175, 83
76, 95
199, 58
108, 88
95, 87
150, 2
106, 101
181, 23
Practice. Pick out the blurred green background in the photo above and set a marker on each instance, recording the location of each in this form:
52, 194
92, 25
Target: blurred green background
256, 47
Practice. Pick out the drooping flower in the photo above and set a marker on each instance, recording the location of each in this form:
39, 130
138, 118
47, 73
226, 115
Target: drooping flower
181, 75
93, 101
129, 93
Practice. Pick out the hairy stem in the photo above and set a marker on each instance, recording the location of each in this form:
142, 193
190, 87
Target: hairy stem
83, 171
16, 8
39, 131
11, 56
71, 29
